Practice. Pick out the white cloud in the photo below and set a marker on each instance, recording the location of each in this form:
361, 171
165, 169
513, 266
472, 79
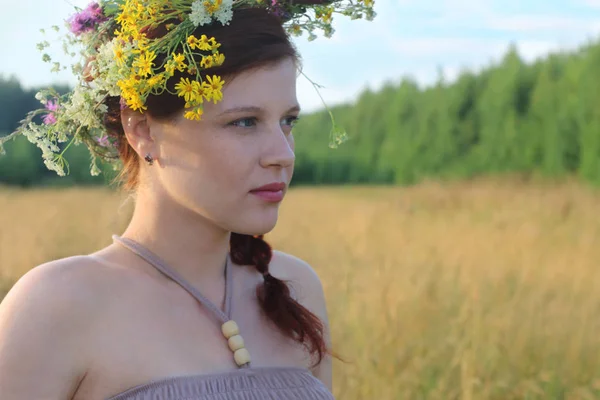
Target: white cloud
561, 25
590, 3
470, 49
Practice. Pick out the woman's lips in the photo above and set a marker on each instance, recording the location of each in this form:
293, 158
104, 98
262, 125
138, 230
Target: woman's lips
271, 196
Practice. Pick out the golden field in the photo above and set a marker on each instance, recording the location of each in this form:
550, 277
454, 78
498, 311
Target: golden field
477, 290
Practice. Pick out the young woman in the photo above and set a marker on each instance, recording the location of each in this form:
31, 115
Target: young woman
189, 302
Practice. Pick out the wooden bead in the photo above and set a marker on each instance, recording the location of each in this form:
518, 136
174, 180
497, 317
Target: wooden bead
230, 328
236, 342
241, 356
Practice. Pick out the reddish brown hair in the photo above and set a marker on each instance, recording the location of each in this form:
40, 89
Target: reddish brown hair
253, 39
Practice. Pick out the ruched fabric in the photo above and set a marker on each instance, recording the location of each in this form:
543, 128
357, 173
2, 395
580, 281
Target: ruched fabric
269, 383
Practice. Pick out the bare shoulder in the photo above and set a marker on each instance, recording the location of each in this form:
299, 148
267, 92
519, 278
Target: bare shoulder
45, 320
307, 288
302, 277
59, 287
70, 286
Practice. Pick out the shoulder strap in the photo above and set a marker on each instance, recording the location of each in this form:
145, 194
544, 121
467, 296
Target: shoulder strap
160, 265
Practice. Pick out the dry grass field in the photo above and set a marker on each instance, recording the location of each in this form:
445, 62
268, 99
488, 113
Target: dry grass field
481, 290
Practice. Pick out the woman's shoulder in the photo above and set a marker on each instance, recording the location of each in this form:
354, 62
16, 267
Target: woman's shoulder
75, 287
289, 267
302, 278
46, 321
65, 279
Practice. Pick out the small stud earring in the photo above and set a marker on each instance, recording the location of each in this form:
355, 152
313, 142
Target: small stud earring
149, 159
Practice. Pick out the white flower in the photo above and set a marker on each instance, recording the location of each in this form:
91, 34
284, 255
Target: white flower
109, 71
94, 170
225, 13
199, 16
38, 135
52, 165
83, 107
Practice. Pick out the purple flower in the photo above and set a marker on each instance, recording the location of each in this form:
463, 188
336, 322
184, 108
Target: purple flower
103, 141
52, 105
50, 118
279, 11
122, 104
86, 20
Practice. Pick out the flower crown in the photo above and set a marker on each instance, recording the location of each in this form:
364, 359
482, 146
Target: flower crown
118, 58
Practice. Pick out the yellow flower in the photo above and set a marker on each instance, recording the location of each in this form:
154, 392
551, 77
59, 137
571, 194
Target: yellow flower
128, 86
217, 96
140, 8
170, 68
213, 44
125, 18
190, 90
142, 44
179, 60
215, 84
213, 7
119, 55
207, 91
156, 80
207, 62
195, 114
198, 99
204, 43
136, 103
192, 41
139, 37
219, 58
144, 63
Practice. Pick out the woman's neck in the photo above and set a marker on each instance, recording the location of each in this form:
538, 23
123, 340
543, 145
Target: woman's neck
187, 242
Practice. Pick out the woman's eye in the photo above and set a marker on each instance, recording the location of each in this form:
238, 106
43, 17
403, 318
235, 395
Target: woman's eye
291, 120
252, 121
244, 122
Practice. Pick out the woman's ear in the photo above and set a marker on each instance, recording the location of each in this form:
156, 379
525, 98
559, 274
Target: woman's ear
137, 132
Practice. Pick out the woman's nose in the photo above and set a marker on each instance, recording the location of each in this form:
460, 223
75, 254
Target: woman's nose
279, 148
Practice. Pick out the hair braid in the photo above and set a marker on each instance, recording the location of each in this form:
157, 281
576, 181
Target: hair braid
292, 318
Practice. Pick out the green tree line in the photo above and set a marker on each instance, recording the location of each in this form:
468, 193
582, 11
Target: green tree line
539, 118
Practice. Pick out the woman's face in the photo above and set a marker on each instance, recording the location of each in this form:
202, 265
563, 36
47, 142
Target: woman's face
243, 142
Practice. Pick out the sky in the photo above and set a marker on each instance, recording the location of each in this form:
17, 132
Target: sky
408, 38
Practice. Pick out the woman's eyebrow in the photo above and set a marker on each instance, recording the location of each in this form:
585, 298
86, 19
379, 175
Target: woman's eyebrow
253, 109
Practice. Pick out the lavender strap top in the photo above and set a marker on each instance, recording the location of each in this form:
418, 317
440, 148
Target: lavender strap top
245, 383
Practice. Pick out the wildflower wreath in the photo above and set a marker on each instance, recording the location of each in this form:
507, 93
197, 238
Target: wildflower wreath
118, 58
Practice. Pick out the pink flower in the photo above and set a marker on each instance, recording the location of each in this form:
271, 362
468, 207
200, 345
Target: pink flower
50, 118
52, 105
86, 20
103, 141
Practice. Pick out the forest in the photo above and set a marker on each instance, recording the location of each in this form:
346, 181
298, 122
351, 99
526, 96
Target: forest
512, 117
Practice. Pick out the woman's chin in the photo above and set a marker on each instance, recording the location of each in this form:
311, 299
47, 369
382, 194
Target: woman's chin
259, 226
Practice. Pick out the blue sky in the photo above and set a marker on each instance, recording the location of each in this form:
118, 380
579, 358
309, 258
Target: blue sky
408, 38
